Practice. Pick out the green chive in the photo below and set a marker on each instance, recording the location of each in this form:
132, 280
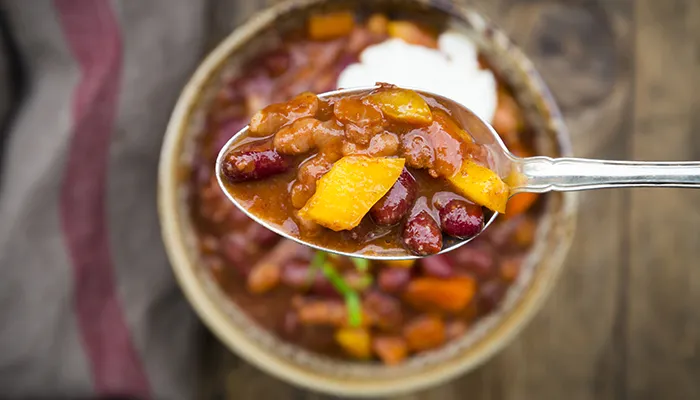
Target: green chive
362, 264
352, 300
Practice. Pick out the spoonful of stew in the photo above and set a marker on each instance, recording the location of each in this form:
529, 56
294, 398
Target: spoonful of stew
394, 173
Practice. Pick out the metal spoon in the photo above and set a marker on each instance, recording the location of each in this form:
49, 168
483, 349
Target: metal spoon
531, 174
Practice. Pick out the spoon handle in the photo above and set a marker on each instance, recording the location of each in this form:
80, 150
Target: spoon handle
544, 174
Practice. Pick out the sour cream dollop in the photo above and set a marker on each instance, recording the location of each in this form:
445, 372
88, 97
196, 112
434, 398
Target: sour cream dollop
452, 71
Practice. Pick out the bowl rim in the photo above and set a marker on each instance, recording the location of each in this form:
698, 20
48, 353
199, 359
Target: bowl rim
216, 318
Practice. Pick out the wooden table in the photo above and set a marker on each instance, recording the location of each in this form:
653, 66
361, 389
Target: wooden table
624, 320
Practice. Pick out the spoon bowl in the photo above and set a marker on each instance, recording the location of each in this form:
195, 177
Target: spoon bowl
482, 132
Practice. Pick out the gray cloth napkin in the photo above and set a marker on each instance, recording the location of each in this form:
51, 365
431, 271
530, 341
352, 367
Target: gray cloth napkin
88, 305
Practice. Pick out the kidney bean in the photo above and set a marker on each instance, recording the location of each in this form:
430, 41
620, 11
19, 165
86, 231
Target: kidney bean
261, 235
394, 280
422, 235
392, 350
439, 266
236, 250
297, 275
478, 259
382, 310
461, 219
490, 296
397, 202
276, 62
240, 166
424, 333
290, 324
297, 138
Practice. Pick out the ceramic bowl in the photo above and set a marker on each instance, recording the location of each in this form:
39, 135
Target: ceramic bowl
301, 367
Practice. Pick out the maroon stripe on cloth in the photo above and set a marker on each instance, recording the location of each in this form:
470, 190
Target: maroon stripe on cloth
92, 33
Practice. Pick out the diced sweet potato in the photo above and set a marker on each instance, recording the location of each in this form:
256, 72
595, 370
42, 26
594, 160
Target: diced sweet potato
481, 185
435, 294
403, 106
411, 33
391, 350
424, 333
331, 25
378, 24
400, 263
355, 342
347, 192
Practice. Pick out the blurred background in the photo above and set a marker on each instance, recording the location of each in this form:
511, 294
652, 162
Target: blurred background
621, 323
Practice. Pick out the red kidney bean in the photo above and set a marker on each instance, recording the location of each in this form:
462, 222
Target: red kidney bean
260, 235
383, 310
490, 296
321, 286
394, 280
276, 62
478, 259
234, 249
461, 219
396, 203
253, 164
290, 324
297, 275
422, 235
439, 266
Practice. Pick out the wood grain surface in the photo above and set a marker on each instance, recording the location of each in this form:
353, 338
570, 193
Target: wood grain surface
624, 320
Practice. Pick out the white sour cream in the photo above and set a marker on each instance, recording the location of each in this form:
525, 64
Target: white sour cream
452, 71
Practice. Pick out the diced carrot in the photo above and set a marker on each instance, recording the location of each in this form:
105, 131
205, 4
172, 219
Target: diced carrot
330, 25
355, 341
446, 295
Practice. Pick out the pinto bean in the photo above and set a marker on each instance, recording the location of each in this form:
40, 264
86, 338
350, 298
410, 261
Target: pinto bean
240, 166
322, 312
265, 274
461, 219
273, 117
392, 350
397, 202
422, 235
298, 137
417, 150
263, 277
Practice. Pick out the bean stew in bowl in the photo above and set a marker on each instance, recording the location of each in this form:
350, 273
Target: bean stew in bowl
341, 324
